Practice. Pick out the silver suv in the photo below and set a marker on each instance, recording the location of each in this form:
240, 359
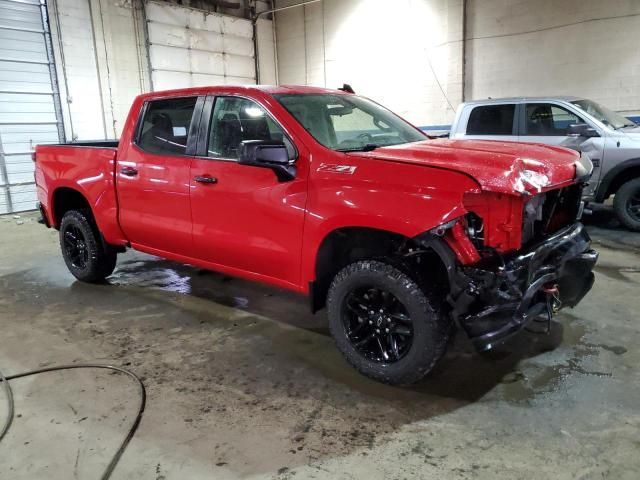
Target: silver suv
611, 140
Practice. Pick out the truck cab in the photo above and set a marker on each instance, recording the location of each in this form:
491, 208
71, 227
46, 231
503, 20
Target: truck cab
609, 139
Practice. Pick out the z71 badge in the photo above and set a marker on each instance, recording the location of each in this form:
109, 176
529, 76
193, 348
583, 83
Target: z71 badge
332, 168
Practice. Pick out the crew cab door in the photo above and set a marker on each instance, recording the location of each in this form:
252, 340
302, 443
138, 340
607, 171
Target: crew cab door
244, 219
152, 176
548, 123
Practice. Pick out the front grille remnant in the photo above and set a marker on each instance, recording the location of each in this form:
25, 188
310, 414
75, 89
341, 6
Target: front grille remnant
548, 212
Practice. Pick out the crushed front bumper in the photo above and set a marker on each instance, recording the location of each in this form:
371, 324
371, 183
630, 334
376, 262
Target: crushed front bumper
494, 303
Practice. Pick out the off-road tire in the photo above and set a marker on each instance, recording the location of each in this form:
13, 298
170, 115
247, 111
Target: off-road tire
100, 258
431, 328
623, 196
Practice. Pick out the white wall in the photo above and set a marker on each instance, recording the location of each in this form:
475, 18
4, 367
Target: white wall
383, 49
544, 47
101, 63
75, 55
102, 57
265, 35
513, 48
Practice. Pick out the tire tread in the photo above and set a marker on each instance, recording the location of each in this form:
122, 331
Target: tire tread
103, 258
440, 324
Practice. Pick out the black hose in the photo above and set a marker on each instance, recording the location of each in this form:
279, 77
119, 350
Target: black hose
132, 430
9, 394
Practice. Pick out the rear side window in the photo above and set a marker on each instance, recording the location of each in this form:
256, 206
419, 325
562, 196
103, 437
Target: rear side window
545, 119
491, 120
165, 126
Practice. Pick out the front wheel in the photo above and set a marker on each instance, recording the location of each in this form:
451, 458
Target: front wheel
87, 258
384, 324
627, 204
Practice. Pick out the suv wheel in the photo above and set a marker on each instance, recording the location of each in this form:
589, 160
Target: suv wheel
87, 258
627, 204
384, 324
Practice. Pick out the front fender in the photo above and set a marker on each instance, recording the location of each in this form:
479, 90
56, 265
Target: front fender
399, 198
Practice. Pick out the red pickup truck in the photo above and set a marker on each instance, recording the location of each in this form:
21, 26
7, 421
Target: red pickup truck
326, 193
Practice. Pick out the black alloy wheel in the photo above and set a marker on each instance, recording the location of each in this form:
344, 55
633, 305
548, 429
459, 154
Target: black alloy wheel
385, 324
75, 247
626, 204
633, 205
88, 257
377, 324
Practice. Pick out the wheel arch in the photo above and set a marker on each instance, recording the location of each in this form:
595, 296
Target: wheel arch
616, 177
67, 198
348, 244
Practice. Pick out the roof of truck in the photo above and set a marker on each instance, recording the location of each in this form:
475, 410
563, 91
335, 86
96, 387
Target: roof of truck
566, 98
238, 89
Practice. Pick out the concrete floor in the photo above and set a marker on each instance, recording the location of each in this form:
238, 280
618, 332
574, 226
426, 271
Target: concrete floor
244, 382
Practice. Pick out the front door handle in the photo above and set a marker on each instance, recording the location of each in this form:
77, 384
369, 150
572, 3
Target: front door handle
205, 179
129, 171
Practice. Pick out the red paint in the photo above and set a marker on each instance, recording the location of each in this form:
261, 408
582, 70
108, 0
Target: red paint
502, 217
494, 165
248, 224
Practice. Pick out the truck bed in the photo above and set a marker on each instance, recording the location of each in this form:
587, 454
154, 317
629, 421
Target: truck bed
86, 167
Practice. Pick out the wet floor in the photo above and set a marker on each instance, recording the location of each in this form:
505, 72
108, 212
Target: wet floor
244, 382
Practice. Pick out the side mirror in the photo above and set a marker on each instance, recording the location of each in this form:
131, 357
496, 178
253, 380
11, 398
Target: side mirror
265, 154
582, 130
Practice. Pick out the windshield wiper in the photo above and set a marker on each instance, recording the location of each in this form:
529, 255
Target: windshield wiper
364, 148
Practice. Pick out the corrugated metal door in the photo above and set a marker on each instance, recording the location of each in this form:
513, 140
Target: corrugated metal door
189, 47
29, 106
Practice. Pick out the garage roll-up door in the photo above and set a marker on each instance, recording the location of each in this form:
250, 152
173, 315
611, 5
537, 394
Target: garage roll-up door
191, 47
29, 108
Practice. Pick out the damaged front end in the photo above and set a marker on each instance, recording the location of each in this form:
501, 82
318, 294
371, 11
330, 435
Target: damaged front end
514, 260
495, 301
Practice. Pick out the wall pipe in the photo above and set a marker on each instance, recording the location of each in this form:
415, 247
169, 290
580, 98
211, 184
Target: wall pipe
464, 49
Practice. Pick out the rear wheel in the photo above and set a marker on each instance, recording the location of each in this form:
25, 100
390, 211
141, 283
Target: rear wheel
627, 204
384, 324
87, 258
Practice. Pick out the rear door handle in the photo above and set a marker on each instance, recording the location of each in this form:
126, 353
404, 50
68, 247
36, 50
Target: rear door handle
205, 179
129, 171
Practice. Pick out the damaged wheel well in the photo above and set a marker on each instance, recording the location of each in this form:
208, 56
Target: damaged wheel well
351, 244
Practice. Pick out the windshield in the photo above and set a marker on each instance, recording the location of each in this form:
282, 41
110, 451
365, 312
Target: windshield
606, 116
347, 122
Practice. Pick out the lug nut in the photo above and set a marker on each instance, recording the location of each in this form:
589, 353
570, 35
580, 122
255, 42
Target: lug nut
387, 330
377, 330
370, 322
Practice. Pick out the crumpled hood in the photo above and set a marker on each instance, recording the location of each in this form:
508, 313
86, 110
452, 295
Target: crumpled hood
504, 167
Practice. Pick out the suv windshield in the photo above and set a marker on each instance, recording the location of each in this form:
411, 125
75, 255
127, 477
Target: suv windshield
348, 123
606, 116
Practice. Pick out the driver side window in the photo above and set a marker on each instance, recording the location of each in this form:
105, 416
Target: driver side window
235, 119
545, 119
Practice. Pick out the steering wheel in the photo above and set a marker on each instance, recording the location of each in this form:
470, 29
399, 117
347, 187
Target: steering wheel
367, 137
